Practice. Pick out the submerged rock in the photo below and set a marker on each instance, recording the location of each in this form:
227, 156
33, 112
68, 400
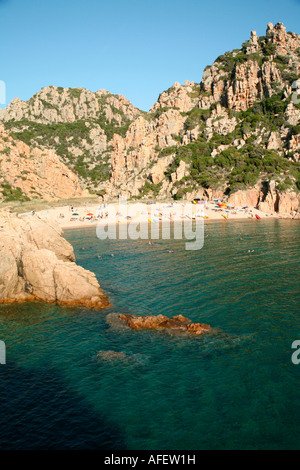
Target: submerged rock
161, 322
112, 355
128, 360
37, 263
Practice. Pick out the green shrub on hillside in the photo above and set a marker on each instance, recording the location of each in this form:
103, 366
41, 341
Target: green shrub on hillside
13, 194
269, 49
196, 117
75, 93
150, 187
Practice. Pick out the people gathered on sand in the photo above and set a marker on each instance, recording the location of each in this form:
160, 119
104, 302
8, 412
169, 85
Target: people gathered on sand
86, 214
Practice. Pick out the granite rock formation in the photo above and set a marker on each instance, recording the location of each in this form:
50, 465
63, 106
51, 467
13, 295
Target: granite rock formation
38, 264
236, 130
160, 322
33, 173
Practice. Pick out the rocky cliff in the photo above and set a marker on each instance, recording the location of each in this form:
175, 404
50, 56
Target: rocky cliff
75, 123
236, 130
38, 264
57, 104
29, 172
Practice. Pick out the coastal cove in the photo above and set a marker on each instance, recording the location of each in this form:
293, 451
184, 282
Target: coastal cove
149, 228
63, 386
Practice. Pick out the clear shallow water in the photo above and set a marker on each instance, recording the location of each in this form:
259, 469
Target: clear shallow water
237, 389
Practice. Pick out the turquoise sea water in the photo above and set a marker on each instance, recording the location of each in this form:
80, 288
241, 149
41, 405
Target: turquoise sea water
236, 389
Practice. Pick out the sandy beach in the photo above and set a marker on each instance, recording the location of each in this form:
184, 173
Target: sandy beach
89, 215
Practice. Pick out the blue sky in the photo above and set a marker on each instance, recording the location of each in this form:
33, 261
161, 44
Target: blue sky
137, 48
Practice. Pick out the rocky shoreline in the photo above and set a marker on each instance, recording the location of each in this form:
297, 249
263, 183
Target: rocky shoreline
37, 263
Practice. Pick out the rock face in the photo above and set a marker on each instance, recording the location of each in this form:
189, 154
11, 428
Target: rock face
36, 173
271, 200
231, 132
262, 71
75, 123
248, 198
56, 104
268, 199
38, 264
183, 97
240, 78
161, 322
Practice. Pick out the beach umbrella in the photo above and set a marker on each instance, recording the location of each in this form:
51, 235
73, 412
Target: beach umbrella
89, 213
75, 213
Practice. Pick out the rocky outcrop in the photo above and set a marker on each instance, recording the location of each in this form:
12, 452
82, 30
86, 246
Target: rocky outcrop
272, 200
288, 203
36, 173
161, 322
247, 198
245, 102
132, 156
184, 113
240, 78
284, 42
250, 84
266, 197
81, 126
55, 104
183, 97
157, 172
37, 263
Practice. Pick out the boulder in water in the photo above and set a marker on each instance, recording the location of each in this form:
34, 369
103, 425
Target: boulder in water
161, 322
